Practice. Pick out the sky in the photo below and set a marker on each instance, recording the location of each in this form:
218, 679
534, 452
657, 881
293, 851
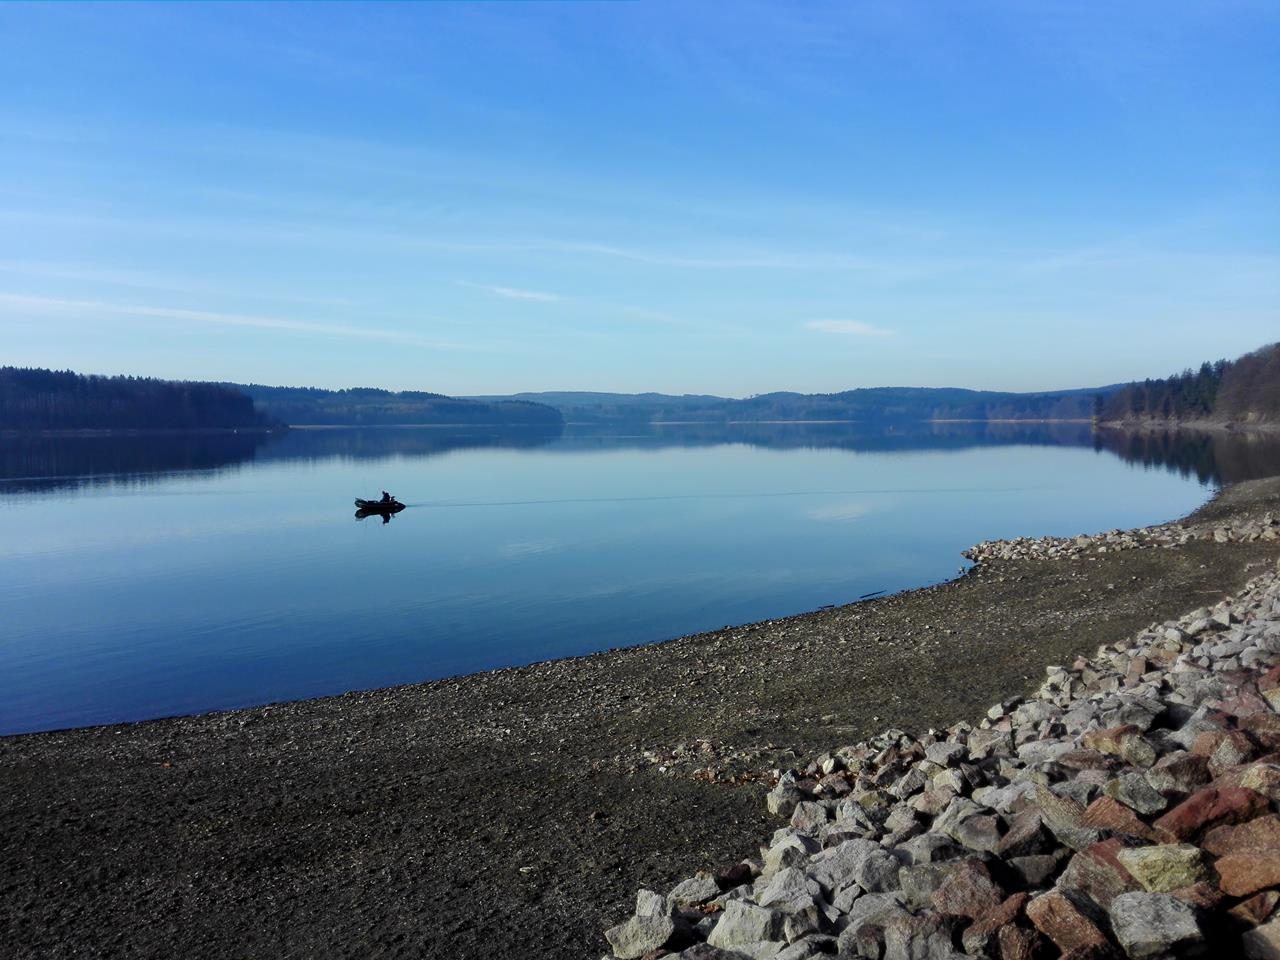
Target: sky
714, 197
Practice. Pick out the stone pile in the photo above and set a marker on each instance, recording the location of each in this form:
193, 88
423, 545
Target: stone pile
1163, 535
1128, 808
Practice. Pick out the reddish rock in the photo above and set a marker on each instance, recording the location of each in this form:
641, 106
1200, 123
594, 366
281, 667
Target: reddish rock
1018, 943
1108, 813
1261, 833
1210, 807
1247, 872
1257, 908
968, 891
1246, 703
1096, 871
1059, 918
1203, 895
1270, 680
981, 938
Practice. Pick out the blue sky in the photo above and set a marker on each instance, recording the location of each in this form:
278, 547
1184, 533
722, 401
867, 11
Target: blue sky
710, 197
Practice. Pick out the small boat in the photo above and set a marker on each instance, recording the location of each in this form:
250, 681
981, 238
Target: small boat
379, 506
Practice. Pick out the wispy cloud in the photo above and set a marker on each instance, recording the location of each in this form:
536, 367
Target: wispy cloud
848, 328
17, 301
108, 276
514, 293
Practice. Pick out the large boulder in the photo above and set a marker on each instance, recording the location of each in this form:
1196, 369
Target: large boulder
1153, 924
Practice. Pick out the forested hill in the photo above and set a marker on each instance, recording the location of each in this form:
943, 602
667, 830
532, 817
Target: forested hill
61, 400
368, 406
879, 403
1241, 391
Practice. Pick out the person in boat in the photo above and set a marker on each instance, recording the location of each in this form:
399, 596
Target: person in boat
386, 497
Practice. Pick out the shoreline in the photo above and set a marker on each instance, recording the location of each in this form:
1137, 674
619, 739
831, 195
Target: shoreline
510, 813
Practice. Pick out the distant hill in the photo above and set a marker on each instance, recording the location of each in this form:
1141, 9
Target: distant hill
876, 403
369, 406
1242, 391
35, 399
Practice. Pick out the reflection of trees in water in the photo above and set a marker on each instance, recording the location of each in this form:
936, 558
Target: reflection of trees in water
868, 437
36, 463
32, 463
361, 443
45, 462
1211, 457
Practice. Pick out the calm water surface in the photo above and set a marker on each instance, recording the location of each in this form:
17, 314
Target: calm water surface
146, 577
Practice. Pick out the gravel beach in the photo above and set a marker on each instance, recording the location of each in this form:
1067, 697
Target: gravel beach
515, 813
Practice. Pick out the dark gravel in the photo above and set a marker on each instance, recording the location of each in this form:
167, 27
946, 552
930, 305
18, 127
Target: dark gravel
513, 814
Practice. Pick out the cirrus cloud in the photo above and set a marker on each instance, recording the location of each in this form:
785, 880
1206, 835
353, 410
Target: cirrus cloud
848, 328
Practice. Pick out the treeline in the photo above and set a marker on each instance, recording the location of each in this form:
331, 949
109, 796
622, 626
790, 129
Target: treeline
369, 406
33, 399
1246, 390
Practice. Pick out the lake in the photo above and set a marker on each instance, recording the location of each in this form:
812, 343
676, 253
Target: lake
148, 576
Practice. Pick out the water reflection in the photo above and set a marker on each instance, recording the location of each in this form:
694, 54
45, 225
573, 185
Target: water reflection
31, 464
1215, 457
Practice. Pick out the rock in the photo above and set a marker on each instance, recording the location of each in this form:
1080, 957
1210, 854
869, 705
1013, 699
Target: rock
1232, 750
1165, 868
791, 851
931, 847
745, 923
1264, 778
1179, 773
1035, 870
1024, 836
1246, 872
732, 875
917, 882
944, 754
1261, 833
980, 833
790, 891
783, 799
1097, 871
695, 890
1018, 943
1063, 817
864, 936
808, 816
650, 928
967, 891
862, 862
1126, 742
1256, 909
1065, 920
1262, 943
981, 938
1153, 924
1135, 791
1210, 807
1107, 813
923, 937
